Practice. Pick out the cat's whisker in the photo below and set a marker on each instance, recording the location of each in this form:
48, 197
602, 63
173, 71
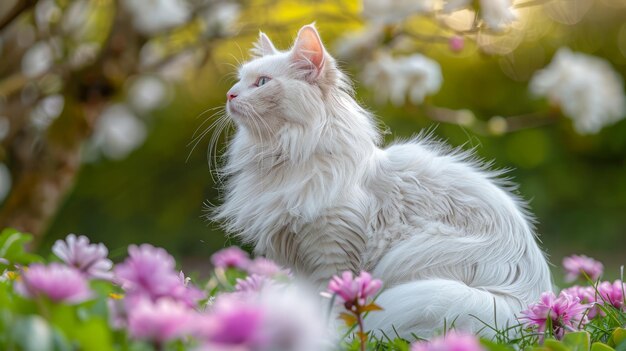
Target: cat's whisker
197, 136
206, 120
232, 65
196, 140
239, 61
231, 77
240, 54
208, 110
212, 152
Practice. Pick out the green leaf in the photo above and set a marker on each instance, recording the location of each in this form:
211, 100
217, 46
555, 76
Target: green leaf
93, 335
62, 316
620, 346
555, 345
598, 346
618, 337
578, 341
492, 346
13, 248
538, 348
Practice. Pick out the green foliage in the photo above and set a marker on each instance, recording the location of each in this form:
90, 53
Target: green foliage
39, 324
581, 341
12, 248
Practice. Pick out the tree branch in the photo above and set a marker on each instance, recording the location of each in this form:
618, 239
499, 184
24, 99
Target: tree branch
16, 11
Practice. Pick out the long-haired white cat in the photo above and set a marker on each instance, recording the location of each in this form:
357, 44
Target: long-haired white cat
309, 185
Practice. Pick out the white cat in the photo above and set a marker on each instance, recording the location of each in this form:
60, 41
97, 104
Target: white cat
309, 185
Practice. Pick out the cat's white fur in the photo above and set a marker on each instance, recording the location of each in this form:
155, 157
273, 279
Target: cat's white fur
308, 184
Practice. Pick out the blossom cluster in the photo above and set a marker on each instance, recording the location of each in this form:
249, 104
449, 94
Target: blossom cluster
586, 88
157, 304
562, 313
254, 304
453, 341
67, 282
581, 266
604, 294
160, 305
497, 14
416, 76
575, 306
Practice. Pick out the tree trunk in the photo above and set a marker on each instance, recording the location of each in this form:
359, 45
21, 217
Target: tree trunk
45, 167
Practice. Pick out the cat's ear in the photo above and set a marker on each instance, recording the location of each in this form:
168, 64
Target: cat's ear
308, 51
263, 46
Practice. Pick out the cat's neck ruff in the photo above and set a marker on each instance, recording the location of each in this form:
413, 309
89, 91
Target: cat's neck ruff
295, 177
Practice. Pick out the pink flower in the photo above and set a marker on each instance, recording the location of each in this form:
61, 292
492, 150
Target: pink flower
587, 295
576, 265
612, 294
252, 283
453, 341
564, 312
232, 257
150, 271
232, 322
90, 259
456, 43
267, 268
159, 321
354, 291
58, 282
286, 318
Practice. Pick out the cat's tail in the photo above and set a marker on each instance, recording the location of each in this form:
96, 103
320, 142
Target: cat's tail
425, 307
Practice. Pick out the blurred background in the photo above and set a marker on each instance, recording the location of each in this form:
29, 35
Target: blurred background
105, 106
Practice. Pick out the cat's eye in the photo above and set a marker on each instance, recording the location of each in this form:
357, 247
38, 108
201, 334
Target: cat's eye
262, 80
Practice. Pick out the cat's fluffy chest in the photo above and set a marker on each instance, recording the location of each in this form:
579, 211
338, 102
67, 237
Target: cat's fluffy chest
308, 216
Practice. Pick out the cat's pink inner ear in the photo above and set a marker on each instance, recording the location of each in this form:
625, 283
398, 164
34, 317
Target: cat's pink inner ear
309, 48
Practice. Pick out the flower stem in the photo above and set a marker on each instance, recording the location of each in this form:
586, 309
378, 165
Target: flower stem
359, 319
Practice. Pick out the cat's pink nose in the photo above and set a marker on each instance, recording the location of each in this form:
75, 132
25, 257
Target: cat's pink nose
230, 96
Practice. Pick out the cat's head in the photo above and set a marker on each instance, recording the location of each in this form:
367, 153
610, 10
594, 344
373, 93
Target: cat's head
284, 88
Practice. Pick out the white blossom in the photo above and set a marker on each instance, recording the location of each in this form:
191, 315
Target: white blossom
76, 17
497, 14
219, 19
46, 12
393, 11
360, 43
37, 60
394, 78
48, 109
179, 67
118, 132
586, 88
84, 54
153, 16
148, 93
